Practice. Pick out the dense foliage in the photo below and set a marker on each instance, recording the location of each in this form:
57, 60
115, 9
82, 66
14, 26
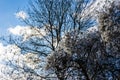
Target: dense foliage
93, 57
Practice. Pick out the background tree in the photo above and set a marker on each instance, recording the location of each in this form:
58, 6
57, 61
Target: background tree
57, 18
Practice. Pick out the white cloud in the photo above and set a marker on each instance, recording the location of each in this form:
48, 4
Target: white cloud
26, 31
21, 14
16, 30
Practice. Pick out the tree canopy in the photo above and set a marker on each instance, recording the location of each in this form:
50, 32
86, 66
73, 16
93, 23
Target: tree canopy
64, 40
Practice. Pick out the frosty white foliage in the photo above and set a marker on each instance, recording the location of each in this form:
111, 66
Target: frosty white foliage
21, 15
117, 2
27, 32
81, 34
13, 63
98, 5
92, 29
9, 55
101, 3
9, 51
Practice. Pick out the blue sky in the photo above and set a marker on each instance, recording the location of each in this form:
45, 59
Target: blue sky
8, 8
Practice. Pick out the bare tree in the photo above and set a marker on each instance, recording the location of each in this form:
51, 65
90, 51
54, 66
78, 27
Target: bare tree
80, 14
57, 18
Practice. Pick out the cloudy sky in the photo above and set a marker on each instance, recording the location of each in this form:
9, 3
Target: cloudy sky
8, 10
